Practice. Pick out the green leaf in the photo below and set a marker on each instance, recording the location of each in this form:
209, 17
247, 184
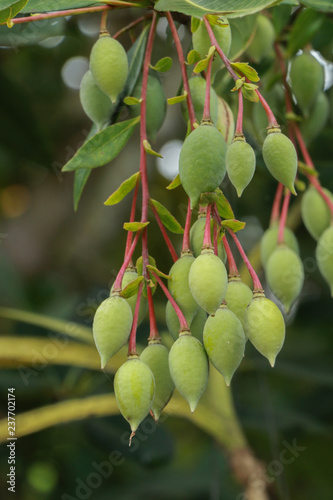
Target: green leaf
195, 23
201, 65
103, 146
243, 31
307, 24
163, 65
168, 220
233, 224
54, 5
6, 14
23, 34
147, 147
198, 8
177, 98
132, 288
193, 57
305, 169
223, 206
243, 69
134, 226
123, 190
131, 101
175, 183
323, 5
81, 176
154, 269
249, 93
139, 264
280, 17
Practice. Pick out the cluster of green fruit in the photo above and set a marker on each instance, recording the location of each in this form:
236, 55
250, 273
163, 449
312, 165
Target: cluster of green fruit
209, 314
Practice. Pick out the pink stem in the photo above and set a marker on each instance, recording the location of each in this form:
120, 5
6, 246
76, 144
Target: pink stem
120, 275
132, 338
186, 237
131, 25
219, 50
181, 317
143, 137
215, 238
206, 111
181, 59
153, 332
132, 218
165, 234
283, 219
239, 125
256, 282
207, 239
275, 216
71, 12
270, 115
231, 261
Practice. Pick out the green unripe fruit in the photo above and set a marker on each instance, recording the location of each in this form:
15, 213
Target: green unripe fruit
155, 107
315, 122
208, 281
269, 243
285, 275
173, 325
238, 296
225, 121
156, 356
197, 86
324, 256
96, 105
197, 235
315, 212
109, 66
241, 163
179, 287
280, 158
134, 388
201, 42
262, 43
129, 276
111, 326
307, 80
202, 162
188, 365
224, 341
264, 326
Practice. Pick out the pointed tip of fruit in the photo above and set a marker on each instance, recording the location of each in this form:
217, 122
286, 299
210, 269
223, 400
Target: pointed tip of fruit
130, 438
292, 190
193, 405
104, 360
272, 360
287, 308
155, 414
227, 380
239, 192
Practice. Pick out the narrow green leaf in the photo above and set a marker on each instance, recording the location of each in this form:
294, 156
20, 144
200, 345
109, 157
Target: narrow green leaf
306, 25
81, 176
223, 206
175, 183
132, 288
154, 269
139, 264
134, 226
7, 14
323, 5
177, 98
193, 57
305, 169
131, 101
163, 65
195, 23
232, 8
147, 147
243, 69
238, 84
123, 190
233, 224
103, 146
54, 5
168, 220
